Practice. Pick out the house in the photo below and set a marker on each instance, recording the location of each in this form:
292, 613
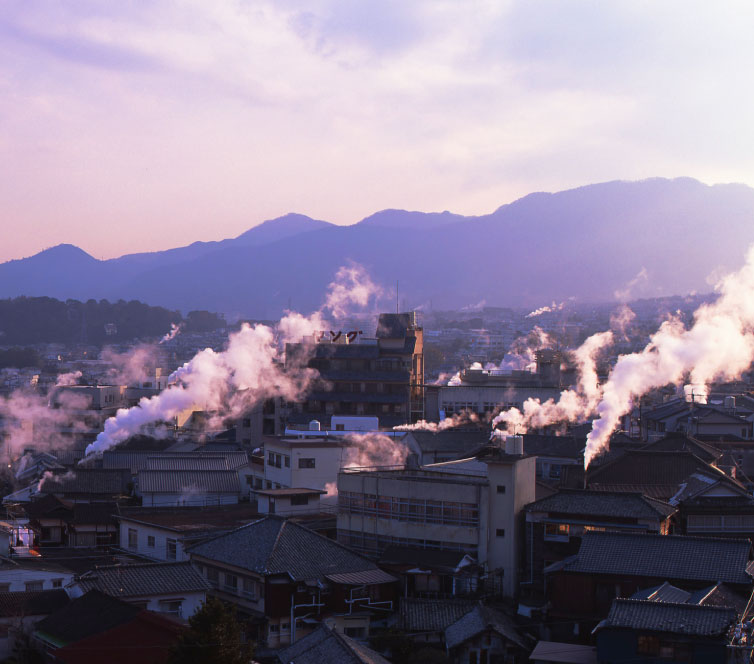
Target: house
609, 565
485, 634
425, 620
555, 455
57, 522
327, 645
432, 573
163, 488
166, 533
552, 652
292, 579
474, 506
32, 575
20, 611
556, 524
288, 502
646, 631
96, 628
176, 589
88, 485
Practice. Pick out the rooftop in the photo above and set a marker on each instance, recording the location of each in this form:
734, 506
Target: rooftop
692, 619
604, 504
192, 519
144, 579
326, 645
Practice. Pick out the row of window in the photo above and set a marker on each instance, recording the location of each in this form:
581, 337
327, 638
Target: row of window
372, 543
171, 545
410, 509
284, 461
346, 408
230, 583
32, 586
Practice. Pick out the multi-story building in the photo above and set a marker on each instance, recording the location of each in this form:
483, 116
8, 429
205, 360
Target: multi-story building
381, 376
472, 505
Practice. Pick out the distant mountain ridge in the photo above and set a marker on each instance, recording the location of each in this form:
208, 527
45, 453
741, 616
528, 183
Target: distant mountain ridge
587, 243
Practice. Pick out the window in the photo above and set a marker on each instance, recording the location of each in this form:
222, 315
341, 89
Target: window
306, 463
4, 587
213, 576
133, 538
300, 500
500, 532
246, 423
270, 459
250, 588
557, 532
648, 645
231, 583
150, 541
501, 488
286, 461
33, 585
57, 583
171, 549
274, 629
173, 607
355, 632
340, 427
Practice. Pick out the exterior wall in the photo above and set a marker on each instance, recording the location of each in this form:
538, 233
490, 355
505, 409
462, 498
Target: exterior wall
185, 500
328, 459
161, 536
506, 521
16, 579
622, 645
471, 538
282, 505
249, 591
486, 398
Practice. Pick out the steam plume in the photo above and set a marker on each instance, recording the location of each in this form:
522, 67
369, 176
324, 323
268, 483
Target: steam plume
373, 449
248, 370
174, 331
457, 420
719, 344
543, 310
71, 378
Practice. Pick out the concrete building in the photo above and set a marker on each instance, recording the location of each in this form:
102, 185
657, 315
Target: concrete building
472, 505
381, 377
486, 390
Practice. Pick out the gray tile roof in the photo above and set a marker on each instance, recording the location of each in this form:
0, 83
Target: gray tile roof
431, 615
144, 580
672, 557
689, 619
664, 593
32, 603
178, 481
91, 481
477, 621
325, 645
600, 503
275, 546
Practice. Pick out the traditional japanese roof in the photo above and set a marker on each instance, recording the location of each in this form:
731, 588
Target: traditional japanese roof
180, 481
600, 503
431, 615
564, 653
666, 617
35, 603
664, 593
144, 580
188, 462
326, 645
275, 546
679, 442
479, 620
663, 557
90, 614
91, 481
366, 578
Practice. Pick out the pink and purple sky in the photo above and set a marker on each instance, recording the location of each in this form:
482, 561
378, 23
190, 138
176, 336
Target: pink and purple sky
137, 126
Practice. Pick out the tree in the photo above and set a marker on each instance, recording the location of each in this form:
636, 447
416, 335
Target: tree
213, 637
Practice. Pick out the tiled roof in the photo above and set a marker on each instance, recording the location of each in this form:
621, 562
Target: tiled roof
92, 481
275, 546
648, 467
179, 481
141, 460
89, 614
664, 593
145, 579
367, 577
326, 645
193, 519
668, 617
663, 557
565, 653
39, 603
431, 615
679, 442
187, 462
477, 621
597, 503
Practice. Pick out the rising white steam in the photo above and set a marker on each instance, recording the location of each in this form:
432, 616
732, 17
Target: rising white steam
71, 378
457, 420
628, 291
130, 367
544, 310
373, 449
572, 405
352, 285
719, 345
250, 369
174, 331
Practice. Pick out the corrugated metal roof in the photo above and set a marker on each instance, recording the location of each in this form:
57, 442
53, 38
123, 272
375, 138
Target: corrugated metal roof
179, 481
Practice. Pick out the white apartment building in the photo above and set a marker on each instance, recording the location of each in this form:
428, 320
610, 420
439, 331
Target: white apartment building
471, 505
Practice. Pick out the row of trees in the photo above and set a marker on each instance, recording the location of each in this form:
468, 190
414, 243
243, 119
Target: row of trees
34, 320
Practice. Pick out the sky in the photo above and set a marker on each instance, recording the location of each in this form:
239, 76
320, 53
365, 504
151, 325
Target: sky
137, 126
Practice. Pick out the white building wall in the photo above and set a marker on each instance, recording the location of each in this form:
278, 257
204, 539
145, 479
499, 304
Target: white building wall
161, 536
17, 579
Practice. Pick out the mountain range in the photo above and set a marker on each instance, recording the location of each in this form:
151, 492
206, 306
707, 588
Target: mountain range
638, 239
